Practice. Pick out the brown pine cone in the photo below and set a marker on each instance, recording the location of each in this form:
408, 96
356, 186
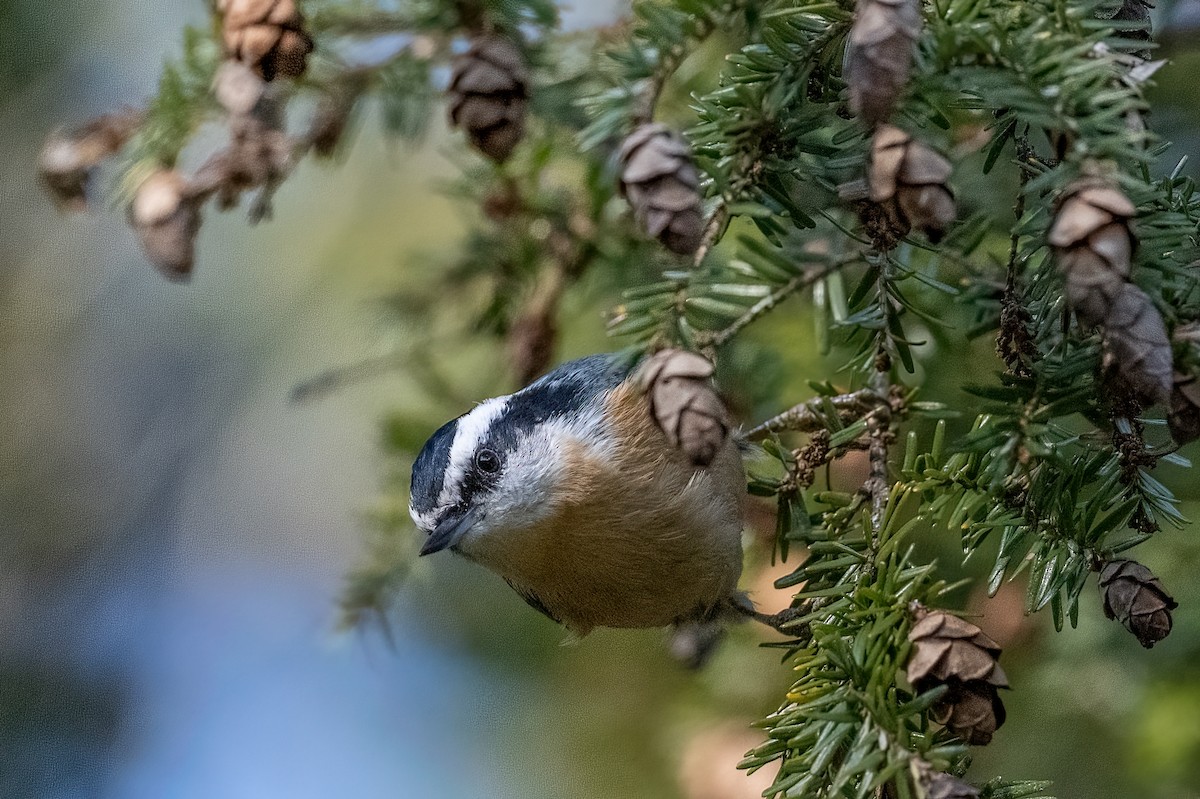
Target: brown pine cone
1136, 12
266, 35
660, 180
1136, 598
1093, 245
69, 159
908, 180
953, 652
940, 785
1183, 420
685, 404
1136, 345
879, 55
489, 95
166, 219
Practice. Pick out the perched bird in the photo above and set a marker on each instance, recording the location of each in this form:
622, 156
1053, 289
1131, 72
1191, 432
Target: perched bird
596, 506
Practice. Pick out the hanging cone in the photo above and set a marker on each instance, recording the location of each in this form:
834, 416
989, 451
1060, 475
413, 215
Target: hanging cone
1093, 245
266, 35
166, 219
489, 95
953, 652
1183, 420
662, 185
1136, 345
879, 55
940, 785
909, 181
685, 404
68, 159
1136, 598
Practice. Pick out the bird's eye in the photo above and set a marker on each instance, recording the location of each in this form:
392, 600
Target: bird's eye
487, 461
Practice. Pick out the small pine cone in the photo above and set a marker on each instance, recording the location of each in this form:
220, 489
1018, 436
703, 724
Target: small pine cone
166, 218
1136, 345
953, 652
880, 54
1136, 598
68, 160
908, 179
971, 710
1138, 13
1093, 244
940, 785
266, 35
660, 180
1183, 420
238, 88
489, 95
685, 404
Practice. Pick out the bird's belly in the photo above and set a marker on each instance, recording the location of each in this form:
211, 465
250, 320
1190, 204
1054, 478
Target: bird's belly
633, 577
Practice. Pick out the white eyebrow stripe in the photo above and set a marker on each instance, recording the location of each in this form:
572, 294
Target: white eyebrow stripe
472, 429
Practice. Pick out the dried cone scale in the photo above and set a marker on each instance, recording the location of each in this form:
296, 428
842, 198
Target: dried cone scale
166, 220
662, 185
1136, 598
266, 35
1093, 245
489, 95
685, 404
953, 652
880, 54
909, 181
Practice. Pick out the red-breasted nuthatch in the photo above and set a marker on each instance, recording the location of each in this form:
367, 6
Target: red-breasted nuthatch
571, 491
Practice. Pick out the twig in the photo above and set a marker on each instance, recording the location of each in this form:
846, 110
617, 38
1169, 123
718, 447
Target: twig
378, 23
651, 90
1014, 343
809, 416
767, 303
339, 377
879, 433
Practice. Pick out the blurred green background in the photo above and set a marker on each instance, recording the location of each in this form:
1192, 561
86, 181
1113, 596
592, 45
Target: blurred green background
174, 531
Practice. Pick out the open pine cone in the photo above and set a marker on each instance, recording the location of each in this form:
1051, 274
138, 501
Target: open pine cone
1183, 420
662, 185
1136, 345
1093, 245
685, 404
489, 95
879, 55
166, 219
909, 181
953, 652
266, 35
940, 785
69, 159
1136, 598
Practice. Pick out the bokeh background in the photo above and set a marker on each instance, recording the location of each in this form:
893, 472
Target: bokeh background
174, 530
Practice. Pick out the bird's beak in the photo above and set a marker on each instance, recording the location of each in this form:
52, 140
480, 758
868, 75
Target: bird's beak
449, 531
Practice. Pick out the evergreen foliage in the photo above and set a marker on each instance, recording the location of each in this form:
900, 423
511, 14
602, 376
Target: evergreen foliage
1053, 479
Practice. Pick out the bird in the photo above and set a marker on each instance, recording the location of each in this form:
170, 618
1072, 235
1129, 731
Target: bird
572, 491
